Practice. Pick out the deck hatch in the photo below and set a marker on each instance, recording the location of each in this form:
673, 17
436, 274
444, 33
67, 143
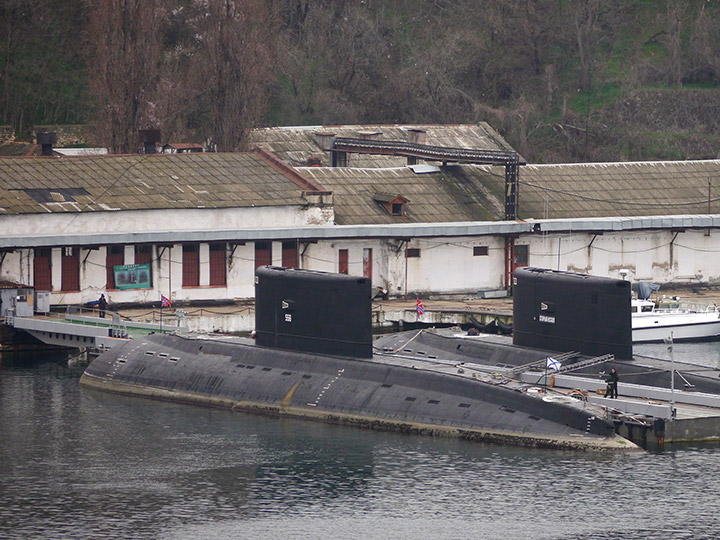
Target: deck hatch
433, 401
507, 409
465, 405
287, 372
174, 359
267, 369
386, 385
409, 398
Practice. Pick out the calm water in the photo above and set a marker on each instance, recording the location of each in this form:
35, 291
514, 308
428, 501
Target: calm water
76, 463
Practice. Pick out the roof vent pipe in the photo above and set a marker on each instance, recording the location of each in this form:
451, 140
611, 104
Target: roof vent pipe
369, 135
324, 140
47, 140
149, 138
417, 136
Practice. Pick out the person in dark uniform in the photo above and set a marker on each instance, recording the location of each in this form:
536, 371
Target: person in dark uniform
102, 305
612, 384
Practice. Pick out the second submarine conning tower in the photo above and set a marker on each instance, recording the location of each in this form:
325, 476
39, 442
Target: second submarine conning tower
565, 311
310, 311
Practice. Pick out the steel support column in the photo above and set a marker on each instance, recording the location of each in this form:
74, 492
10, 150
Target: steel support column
511, 190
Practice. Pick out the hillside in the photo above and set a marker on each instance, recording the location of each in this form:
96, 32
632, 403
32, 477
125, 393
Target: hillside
586, 80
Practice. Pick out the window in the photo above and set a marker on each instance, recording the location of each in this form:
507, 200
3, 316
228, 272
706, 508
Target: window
70, 279
343, 261
394, 204
191, 265
218, 266
263, 254
289, 254
143, 254
521, 256
480, 251
42, 269
413, 252
115, 256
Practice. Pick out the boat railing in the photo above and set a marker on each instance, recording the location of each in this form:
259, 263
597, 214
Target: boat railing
687, 308
564, 357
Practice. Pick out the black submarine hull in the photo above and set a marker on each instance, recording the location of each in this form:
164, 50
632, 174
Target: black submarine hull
315, 357
375, 393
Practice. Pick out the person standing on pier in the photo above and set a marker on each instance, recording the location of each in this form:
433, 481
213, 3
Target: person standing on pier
102, 305
612, 384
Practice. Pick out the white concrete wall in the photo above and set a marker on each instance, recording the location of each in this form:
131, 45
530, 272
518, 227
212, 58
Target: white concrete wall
445, 265
200, 219
647, 255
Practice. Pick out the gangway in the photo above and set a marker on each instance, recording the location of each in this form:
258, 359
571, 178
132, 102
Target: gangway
77, 330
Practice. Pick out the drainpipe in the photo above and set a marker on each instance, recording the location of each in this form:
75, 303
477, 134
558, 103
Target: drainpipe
509, 258
406, 272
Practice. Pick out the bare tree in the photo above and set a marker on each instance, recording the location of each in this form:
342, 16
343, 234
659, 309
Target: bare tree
123, 56
674, 10
41, 77
585, 26
235, 65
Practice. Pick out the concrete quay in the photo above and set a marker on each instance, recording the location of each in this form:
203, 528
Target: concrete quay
387, 315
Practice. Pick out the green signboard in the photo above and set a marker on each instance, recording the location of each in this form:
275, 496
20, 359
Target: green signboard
132, 276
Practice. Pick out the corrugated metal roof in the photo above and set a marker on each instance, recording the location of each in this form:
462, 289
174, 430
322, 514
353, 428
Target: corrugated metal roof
620, 189
134, 182
295, 145
446, 196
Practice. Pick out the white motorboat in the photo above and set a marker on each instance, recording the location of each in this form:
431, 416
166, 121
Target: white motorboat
656, 321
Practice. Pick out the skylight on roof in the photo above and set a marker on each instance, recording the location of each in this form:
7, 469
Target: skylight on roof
424, 168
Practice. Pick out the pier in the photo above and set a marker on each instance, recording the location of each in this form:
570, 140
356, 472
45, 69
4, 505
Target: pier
84, 328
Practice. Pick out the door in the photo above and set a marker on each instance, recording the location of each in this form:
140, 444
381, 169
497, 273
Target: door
263, 254
343, 261
115, 256
70, 278
191, 265
42, 269
367, 263
289, 255
218, 265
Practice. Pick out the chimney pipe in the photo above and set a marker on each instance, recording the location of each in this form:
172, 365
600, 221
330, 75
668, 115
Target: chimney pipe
47, 140
417, 136
324, 140
149, 137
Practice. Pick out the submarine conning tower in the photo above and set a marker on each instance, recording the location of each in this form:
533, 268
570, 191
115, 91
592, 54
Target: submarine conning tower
565, 311
311, 311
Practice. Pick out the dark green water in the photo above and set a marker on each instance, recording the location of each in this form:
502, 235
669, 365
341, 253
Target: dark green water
76, 463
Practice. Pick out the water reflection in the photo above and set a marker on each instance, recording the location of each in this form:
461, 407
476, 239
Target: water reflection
84, 464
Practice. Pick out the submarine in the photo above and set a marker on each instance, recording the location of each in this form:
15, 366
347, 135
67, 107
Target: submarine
314, 357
